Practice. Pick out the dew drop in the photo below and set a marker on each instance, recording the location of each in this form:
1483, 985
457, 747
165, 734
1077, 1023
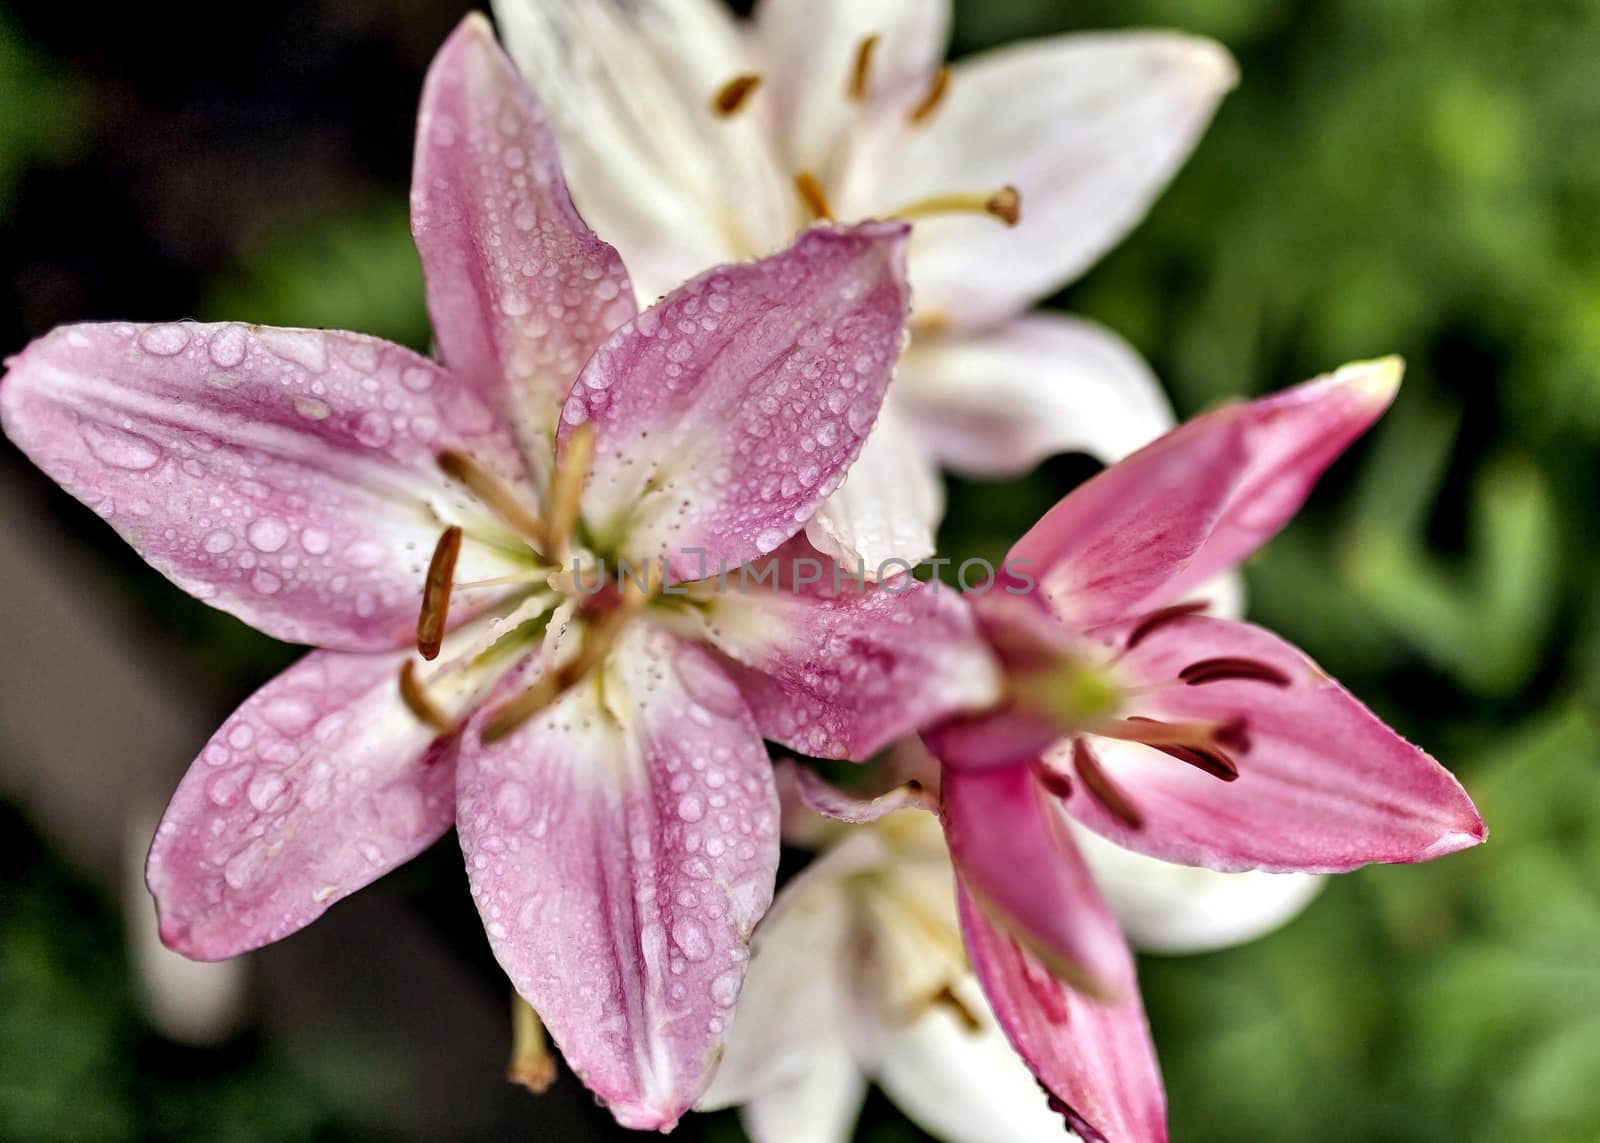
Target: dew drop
228, 345
691, 936
164, 340
119, 448
267, 534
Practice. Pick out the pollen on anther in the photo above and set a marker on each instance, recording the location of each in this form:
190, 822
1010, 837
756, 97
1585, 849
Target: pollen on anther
814, 197
861, 69
731, 96
436, 593
934, 96
1006, 205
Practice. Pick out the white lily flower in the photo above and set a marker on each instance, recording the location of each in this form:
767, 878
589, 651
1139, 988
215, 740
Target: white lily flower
858, 973
691, 139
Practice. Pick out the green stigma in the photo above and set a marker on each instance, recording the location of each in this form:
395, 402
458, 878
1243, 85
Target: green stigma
1072, 692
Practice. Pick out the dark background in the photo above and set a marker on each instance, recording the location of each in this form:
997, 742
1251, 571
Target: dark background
1413, 176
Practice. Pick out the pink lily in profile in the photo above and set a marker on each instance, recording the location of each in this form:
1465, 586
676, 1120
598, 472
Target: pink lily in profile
599, 751
1187, 738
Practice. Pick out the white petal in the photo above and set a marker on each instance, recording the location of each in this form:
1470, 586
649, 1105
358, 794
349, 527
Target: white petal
963, 1086
791, 1010
674, 187
818, 1107
1170, 908
811, 46
889, 505
1089, 128
996, 403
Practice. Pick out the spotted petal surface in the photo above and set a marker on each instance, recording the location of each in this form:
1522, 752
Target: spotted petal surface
621, 848
726, 412
319, 784
286, 476
520, 289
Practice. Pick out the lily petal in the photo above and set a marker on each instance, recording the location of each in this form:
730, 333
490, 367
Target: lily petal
286, 476
995, 403
841, 669
1095, 1058
818, 1106
621, 847
960, 1083
1014, 853
725, 413
1160, 524
791, 1013
885, 514
1169, 908
813, 47
1089, 128
318, 785
630, 89
1324, 786
830, 801
520, 289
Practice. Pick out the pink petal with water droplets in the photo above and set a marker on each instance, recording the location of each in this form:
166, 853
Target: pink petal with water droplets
727, 411
1095, 1059
840, 669
621, 848
318, 785
520, 289
1014, 852
1324, 785
286, 476
1200, 499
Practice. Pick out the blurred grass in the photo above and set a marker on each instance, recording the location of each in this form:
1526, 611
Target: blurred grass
1411, 176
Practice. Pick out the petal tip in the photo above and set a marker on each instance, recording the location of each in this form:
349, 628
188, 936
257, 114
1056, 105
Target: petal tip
1375, 381
1211, 64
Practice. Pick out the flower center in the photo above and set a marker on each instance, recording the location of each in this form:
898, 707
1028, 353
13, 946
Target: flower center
552, 575
1003, 203
1084, 698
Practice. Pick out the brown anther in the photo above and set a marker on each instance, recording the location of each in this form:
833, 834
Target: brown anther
861, 69
947, 999
1055, 783
1233, 734
930, 101
813, 196
1159, 619
731, 96
1101, 788
494, 494
419, 704
577, 456
1006, 205
532, 1066
436, 593
1213, 762
1228, 669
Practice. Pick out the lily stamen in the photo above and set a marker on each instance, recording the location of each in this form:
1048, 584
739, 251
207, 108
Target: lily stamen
1004, 204
413, 694
598, 640
1159, 618
1230, 669
861, 69
516, 579
436, 593
930, 102
1101, 788
495, 495
813, 196
731, 96
573, 470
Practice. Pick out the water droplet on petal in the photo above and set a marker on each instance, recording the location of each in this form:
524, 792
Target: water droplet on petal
164, 340
119, 448
267, 534
691, 936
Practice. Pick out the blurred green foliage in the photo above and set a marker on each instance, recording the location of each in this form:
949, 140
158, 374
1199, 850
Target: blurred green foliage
1410, 176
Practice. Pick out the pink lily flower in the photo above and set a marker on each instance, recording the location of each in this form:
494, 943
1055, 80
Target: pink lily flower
600, 752
1183, 737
